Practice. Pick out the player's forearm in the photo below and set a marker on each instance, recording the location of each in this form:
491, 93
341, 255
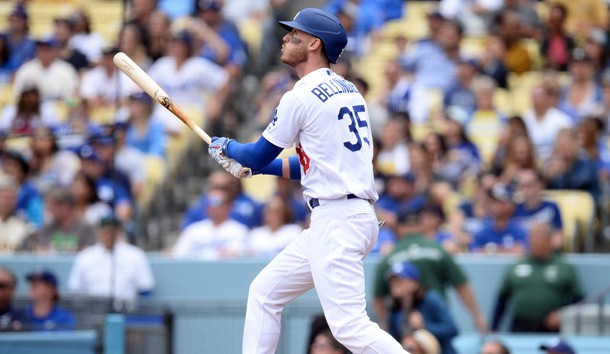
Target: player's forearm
254, 155
285, 167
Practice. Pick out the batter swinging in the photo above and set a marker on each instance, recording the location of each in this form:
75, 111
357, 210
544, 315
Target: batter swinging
327, 119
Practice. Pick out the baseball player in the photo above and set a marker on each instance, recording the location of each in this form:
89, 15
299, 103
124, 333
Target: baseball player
327, 119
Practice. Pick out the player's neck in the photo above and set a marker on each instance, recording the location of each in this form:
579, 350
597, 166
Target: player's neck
310, 66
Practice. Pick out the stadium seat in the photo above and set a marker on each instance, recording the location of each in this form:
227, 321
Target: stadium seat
577, 210
18, 143
6, 95
484, 129
102, 114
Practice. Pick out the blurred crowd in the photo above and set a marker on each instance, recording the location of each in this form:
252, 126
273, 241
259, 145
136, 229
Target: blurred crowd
476, 121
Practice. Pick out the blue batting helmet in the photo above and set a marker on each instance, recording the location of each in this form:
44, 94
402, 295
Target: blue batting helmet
323, 25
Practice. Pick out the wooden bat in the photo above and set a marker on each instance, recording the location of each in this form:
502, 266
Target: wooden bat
146, 83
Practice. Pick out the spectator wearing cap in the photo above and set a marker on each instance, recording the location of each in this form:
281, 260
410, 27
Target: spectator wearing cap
65, 232
56, 79
11, 319
221, 42
83, 39
460, 95
186, 79
63, 30
415, 307
43, 312
437, 269
557, 43
112, 187
30, 204
545, 120
112, 267
100, 86
29, 113
217, 237
494, 347
501, 232
557, 346
21, 47
534, 209
569, 167
537, 286
13, 229
144, 133
50, 166
434, 63
583, 94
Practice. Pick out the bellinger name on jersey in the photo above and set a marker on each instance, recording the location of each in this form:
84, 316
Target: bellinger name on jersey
332, 87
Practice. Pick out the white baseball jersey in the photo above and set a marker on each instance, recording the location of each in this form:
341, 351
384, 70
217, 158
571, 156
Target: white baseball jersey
326, 118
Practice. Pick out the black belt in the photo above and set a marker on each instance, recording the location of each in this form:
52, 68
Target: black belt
315, 202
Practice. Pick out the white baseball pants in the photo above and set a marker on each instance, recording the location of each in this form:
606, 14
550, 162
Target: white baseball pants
328, 256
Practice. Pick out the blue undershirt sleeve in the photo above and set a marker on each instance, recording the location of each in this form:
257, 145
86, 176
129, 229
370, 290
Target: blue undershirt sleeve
254, 155
276, 168
295, 168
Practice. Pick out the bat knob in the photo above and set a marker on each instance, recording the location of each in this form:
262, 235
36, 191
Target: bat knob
245, 173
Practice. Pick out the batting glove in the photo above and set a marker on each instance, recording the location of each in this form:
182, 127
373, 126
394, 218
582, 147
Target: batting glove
218, 148
235, 168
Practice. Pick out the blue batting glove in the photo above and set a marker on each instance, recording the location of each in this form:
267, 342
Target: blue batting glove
218, 148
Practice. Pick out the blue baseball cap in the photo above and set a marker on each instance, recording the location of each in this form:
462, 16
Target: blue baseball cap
86, 152
558, 346
502, 192
43, 275
404, 270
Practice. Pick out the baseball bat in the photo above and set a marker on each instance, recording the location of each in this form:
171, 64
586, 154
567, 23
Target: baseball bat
146, 83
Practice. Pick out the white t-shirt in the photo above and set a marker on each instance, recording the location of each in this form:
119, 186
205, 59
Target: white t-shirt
48, 116
125, 272
90, 44
204, 240
326, 117
96, 83
543, 132
263, 242
58, 81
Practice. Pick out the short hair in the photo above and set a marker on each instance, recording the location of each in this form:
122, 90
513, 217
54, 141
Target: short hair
10, 274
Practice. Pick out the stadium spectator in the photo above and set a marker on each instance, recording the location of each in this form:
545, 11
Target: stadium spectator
112, 187
557, 45
13, 229
557, 346
460, 95
124, 157
393, 157
592, 142
216, 237
486, 122
273, 85
144, 133
595, 49
244, 209
50, 166
131, 42
56, 79
5, 71
65, 232
569, 167
399, 200
159, 34
584, 15
30, 205
420, 167
399, 95
221, 42
420, 341
11, 319
276, 232
29, 113
434, 22
434, 62
501, 233
321, 339
474, 15
186, 78
520, 155
292, 194
100, 86
514, 127
528, 17
43, 312
62, 34
534, 209
437, 271
491, 62
582, 95
537, 308
436, 149
516, 56
89, 207
112, 267
85, 40
21, 47
494, 347
545, 120
469, 218
431, 218
415, 307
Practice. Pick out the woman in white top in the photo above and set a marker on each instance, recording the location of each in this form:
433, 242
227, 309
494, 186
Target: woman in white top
277, 230
28, 114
